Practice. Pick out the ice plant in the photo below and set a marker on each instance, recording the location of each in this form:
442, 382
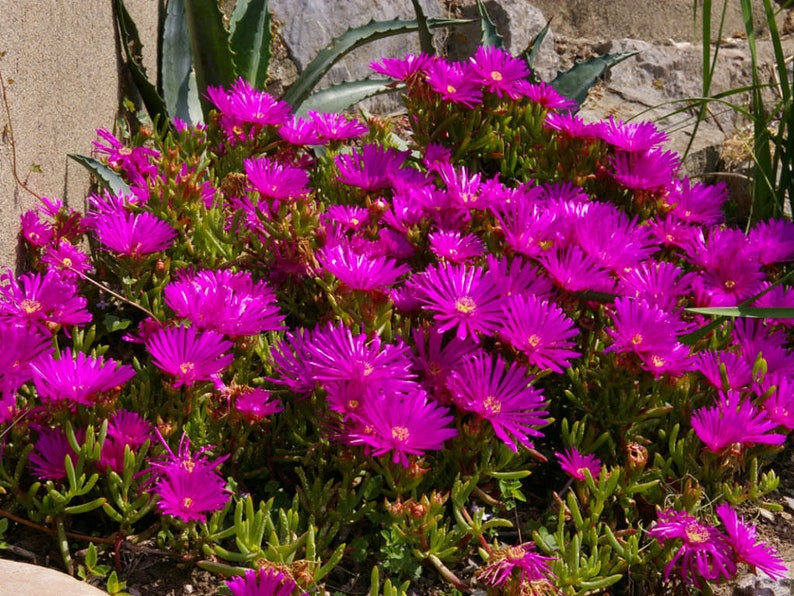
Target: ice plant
701, 551
747, 547
263, 582
187, 485
79, 378
531, 566
132, 235
187, 355
575, 463
499, 393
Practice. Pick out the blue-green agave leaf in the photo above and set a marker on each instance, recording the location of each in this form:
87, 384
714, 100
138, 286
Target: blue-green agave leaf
489, 34
212, 54
107, 177
576, 82
348, 41
250, 30
131, 44
425, 37
533, 49
176, 70
337, 98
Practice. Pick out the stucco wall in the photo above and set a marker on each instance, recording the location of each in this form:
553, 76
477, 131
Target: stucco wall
61, 56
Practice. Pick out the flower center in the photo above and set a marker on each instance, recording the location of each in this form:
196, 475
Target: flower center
696, 533
400, 433
187, 503
186, 368
515, 553
533, 340
465, 305
637, 339
30, 306
496, 75
451, 89
730, 284
658, 361
67, 262
492, 405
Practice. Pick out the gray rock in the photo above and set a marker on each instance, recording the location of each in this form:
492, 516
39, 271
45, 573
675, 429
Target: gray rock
22, 579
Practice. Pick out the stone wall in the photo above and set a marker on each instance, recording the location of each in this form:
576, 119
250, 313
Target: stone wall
63, 58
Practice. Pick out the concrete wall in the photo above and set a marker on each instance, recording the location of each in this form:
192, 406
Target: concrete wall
62, 58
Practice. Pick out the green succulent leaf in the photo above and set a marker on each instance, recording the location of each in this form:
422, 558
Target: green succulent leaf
576, 82
425, 37
347, 42
107, 177
337, 98
489, 34
250, 31
131, 44
212, 55
531, 53
176, 70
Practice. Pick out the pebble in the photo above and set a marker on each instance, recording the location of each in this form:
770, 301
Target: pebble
23, 579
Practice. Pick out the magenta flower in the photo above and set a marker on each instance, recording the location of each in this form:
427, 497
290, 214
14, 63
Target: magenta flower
336, 126
570, 125
651, 333
544, 94
529, 227
188, 485
21, 347
518, 276
635, 137
353, 367
734, 421
79, 379
245, 110
41, 302
34, 230
132, 235
49, 453
575, 463
746, 546
498, 71
532, 566
773, 241
454, 82
298, 131
188, 355
133, 161
436, 361
292, 365
226, 302
499, 393
67, 260
540, 330
461, 298
358, 271
659, 283
573, 270
263, 582
402, 69
737, 372
650, 170
755, 339
697, 203
255, 404
125, 429
406, 424
452, 247
703, 551
275, 180
373, 168
615, 241
779, 404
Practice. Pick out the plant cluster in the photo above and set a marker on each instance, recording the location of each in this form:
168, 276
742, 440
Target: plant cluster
472, 341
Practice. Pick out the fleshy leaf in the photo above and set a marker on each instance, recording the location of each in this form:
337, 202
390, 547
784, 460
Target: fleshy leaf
107, 177
337, 98
489, 34
176, 73
425, 37
576, 82
131, 43
212, 55
250, 30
